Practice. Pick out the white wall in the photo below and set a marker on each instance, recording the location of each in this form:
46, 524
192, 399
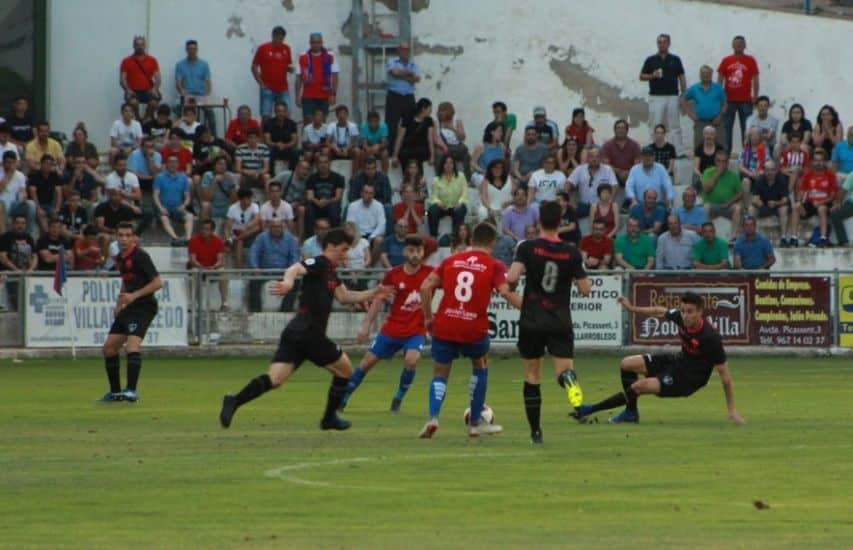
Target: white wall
508, 51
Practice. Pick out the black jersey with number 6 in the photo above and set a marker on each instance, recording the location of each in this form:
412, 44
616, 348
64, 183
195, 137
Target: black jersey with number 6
315, 300
701, 346
550, 266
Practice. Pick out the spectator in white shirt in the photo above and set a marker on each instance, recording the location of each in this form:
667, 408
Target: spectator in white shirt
241, 224
587, 177
13, 193
126, 133
545, 183
276, 209
368, 215
342, 137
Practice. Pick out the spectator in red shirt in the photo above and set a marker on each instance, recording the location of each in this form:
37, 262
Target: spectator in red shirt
87, 251
621, 152
238, 129
270, 66
597, 248
738, 73
818, 188
140, 74
317, 78
207, 253
410, 210
175, 148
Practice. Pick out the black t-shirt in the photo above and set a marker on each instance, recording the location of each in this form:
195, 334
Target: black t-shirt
546, 133
74, 222
706, 161
86, 184
206, 151
18, 248
316, 297
74, 150
155, 129
112, 217
788, 127
664, 153
324, 187
46, 242
701, 348
45, 186
570, 216
137, 270
22, 127
551, 267
672, 69
771, 191
280, 133
417, 133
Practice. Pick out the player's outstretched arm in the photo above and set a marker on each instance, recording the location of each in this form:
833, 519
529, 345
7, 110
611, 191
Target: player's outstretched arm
367, 322
514, 273
652, 311
513, 298
282, 287
728, 389
346, 296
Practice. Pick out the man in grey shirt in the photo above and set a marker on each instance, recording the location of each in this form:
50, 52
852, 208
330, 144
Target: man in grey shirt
528, 156
764, 121
675, 246
293, 192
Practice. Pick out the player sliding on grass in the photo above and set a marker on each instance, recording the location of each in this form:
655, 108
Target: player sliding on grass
671, 375
551, 265
403, 328
461, 326
304, 337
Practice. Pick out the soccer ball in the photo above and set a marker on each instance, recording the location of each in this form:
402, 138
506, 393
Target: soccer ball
488, 415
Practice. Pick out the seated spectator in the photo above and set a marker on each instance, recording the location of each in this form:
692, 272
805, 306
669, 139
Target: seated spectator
206, 150
371, 175
529, 157
13, 193
374, 140
518, 216
569, 230
413, 176
20, 124
368, 215
238, 129
817, 191
675, 246
17, 255
125, 134
172, 199
492, 148
794, 160
842, 209
313, 245
828, 130
49, 246
621, 153
580, 129
690, 215
597, 248
218, 190
450, 137
324, 191
109, 214
547, 131
797, 122
664, 151
6, 144
606, 210
504, 248
293, 184
568, 156
79, 146
392, 247
650, 214
342, 137
359, 257
767, 124
842, 157
277, 249
242, 223
709, 103
125, 181
315, 141
409, 211
276, 209
87, 250
649, 175
704, 154
507, 119
159, 127
43, 145
73, 217
44, 188
531, 232
207, 253
83, 179
770, 198
140, 74
461, 239
545, 183
754, 156
710, 252
496, 190
281, 135
588, 177
723, 192
752, 250
188, 123
415, 136
252, 162
175, 149
449, 197
634, 249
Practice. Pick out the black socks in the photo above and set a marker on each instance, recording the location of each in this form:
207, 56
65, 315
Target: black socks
533, 405
112, 365
134, 365
615, 400
337, 390
629, 378
254, 389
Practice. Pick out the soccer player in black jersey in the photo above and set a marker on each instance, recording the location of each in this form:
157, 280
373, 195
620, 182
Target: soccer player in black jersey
304, 337
135, 308
551, 265
672, 375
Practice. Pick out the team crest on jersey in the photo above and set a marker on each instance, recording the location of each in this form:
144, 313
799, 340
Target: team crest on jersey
413, 301
667, 380
471, 263
132, 327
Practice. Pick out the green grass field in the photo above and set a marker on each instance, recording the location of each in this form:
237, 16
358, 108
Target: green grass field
162, 473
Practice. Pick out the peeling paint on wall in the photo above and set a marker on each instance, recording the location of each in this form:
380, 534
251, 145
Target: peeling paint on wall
287, 4
235, 27
421, 48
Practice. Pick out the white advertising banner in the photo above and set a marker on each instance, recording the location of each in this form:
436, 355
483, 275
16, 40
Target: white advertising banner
88, 314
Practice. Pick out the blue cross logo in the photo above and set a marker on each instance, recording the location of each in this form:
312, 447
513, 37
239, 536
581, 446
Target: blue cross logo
39, 299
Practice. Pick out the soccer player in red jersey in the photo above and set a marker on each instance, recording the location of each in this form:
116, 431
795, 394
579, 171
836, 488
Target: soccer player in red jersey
461, 325
403, 328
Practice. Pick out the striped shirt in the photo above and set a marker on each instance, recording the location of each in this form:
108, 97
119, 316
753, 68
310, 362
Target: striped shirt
252, 159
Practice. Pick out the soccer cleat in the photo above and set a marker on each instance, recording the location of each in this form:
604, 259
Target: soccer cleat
130, 395
428, 430
229, 407
335, 423
395, 405
573, 388
582, 413
625, 416
536, 438
111, 397
484, 428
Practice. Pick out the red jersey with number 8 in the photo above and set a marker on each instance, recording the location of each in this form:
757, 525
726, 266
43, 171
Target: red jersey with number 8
467, 279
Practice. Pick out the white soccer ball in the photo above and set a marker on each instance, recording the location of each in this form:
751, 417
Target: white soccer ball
488, 415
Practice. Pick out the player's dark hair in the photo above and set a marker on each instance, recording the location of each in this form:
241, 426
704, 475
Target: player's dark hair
337, 236
693, 299
125, 225
414, 240
550, 214
485, 234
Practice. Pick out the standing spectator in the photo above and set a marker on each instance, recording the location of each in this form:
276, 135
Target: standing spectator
580, 129
175, 149
192, 75
491, 149
50, 244
42, 145
546, 182
495, 192
649, 175
342, 137
314, 139
18, 255
529, 157
44, 188
276, 249
126, 133
449, 197
145, 163
409, 211
519, 216
450, 136
794, 160
665, 75
21, 123
324, 190
403, 74
710, 252
796, 123
238, 129
282, 137
392, 248
587, 178
508, 120
842, 157
704, 154
416, 136
754, 156
272, 62
140, 74
252, 162
569, 230
828, 130
293, 185
770, 198
621, 152
172, 199
207, 253
675, 246
650, 213
159, 127
606, 210
276, 209
317, 78
690, 215
242, 223
597, 248
709, 104
374, 140
842, 209
79, 146
87, 250
723, 192
634, 249
547, 131
764, 121
13, 193
218, 190
206, 151
817, 191
738, 73
368, 216
665, 154
73, 217
313, 245
752, 250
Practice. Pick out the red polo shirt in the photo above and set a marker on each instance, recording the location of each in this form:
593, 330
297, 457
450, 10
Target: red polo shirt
206, 251
140, 71
737, 72
238, 133
274, 62
597, 249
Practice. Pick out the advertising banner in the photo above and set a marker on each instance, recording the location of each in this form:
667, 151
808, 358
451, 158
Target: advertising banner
845, 311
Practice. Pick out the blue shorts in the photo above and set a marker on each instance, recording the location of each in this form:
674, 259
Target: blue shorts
385, 347
445, 351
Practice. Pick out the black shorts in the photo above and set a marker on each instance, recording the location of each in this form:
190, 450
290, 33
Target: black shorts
295, 347
133, 321
810, 209
677, 379
532, 343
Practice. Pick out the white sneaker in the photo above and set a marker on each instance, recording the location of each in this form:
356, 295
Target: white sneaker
429, 429
484, 428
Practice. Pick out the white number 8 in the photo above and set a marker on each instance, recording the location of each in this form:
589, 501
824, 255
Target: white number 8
463, 291
549, 278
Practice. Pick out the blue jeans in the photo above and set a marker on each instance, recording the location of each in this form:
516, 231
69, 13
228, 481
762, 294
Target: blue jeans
740, 110
268, 99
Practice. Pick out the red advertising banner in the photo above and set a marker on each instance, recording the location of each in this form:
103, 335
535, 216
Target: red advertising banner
777, 311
